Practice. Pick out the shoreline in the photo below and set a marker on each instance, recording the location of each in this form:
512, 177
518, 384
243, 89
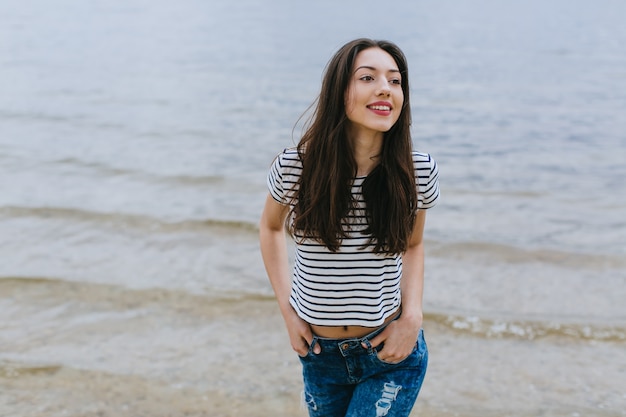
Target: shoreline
236, 362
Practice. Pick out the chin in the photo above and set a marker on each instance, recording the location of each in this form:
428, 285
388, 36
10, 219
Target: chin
383, 129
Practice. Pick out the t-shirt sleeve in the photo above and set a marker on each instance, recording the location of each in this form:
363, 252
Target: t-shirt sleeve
284, 175
427, 178
275, 180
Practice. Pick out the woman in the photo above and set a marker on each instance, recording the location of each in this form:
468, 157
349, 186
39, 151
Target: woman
352, 195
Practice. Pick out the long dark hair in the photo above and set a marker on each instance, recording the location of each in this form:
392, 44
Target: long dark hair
324, 196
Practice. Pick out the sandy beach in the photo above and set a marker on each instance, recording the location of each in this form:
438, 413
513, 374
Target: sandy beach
253, 372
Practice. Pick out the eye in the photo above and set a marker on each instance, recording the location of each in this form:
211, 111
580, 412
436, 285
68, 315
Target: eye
367, 78
396, 81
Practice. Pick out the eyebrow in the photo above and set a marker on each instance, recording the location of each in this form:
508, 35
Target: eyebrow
374, 69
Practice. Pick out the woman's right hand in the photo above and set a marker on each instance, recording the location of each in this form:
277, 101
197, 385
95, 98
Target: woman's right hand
300, 335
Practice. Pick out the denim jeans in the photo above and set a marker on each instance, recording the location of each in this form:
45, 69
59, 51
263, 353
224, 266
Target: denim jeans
348, 380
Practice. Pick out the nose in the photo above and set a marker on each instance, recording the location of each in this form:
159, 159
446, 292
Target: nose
384, 88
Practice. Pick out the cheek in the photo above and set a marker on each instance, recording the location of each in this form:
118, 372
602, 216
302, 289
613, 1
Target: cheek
399, 105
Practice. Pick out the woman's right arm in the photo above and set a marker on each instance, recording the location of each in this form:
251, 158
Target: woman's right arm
274, 251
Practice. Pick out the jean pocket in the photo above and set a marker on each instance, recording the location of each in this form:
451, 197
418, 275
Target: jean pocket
413, 352
310, 351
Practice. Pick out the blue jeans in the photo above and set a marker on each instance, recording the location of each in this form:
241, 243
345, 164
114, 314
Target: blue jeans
348, 380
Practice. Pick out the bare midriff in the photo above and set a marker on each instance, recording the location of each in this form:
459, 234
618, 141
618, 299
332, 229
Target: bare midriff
348, 332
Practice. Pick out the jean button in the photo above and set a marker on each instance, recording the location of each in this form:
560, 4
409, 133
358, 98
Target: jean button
345, 346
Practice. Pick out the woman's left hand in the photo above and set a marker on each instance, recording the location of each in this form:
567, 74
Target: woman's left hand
399, 338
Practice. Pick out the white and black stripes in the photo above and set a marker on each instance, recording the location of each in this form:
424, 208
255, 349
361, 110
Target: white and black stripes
353, 286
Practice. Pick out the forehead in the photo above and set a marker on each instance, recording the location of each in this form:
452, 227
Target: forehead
375, 58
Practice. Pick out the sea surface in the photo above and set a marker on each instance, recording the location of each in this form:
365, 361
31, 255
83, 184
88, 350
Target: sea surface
135, 139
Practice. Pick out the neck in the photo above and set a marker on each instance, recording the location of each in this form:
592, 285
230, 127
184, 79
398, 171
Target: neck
367, 151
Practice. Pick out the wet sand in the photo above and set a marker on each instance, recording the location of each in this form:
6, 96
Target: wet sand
175, 354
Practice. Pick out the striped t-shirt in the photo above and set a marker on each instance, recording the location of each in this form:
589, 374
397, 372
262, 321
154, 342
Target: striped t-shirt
353, 286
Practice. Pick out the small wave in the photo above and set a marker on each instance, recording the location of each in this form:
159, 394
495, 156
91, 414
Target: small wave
121, 297
495, 193
15, 370
516, 255
126, 220
33, 116
528, 329
108, 170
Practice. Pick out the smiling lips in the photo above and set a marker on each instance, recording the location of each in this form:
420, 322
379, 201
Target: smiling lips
381, 108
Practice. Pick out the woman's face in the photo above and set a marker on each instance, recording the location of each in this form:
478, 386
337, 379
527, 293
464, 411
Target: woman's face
374, 96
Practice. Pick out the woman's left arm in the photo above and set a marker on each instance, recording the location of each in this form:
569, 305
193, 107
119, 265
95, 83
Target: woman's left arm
400, 335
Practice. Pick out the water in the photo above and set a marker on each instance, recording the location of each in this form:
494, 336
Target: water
134, 142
